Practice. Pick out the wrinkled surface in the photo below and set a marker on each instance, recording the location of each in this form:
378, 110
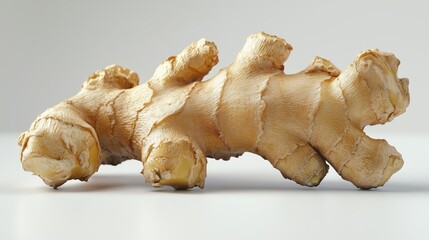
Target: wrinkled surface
298, 122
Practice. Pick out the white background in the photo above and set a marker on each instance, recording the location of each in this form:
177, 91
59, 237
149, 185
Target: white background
48, 48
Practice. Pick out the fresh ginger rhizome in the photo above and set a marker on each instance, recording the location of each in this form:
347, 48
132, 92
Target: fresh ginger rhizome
298, 122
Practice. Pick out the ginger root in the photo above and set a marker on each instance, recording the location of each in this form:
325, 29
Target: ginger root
298, 122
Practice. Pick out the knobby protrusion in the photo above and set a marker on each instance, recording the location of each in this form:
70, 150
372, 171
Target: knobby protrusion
323, 65
113, 76
263, 50
191, 65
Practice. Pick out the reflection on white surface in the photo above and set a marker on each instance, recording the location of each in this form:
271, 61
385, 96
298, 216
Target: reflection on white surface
244, 199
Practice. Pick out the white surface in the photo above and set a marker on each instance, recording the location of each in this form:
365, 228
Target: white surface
244, 198
49, 47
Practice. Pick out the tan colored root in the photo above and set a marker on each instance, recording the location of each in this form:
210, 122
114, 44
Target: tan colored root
175, 120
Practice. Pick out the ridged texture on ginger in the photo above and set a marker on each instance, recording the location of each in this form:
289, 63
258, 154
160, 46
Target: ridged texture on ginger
298, 122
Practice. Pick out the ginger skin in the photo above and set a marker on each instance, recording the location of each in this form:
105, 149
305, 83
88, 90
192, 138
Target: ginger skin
298, 122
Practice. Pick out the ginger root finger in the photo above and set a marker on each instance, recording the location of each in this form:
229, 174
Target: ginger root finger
175, 163
60, 147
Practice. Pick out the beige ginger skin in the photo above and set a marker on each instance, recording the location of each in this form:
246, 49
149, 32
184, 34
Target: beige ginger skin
298, 122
